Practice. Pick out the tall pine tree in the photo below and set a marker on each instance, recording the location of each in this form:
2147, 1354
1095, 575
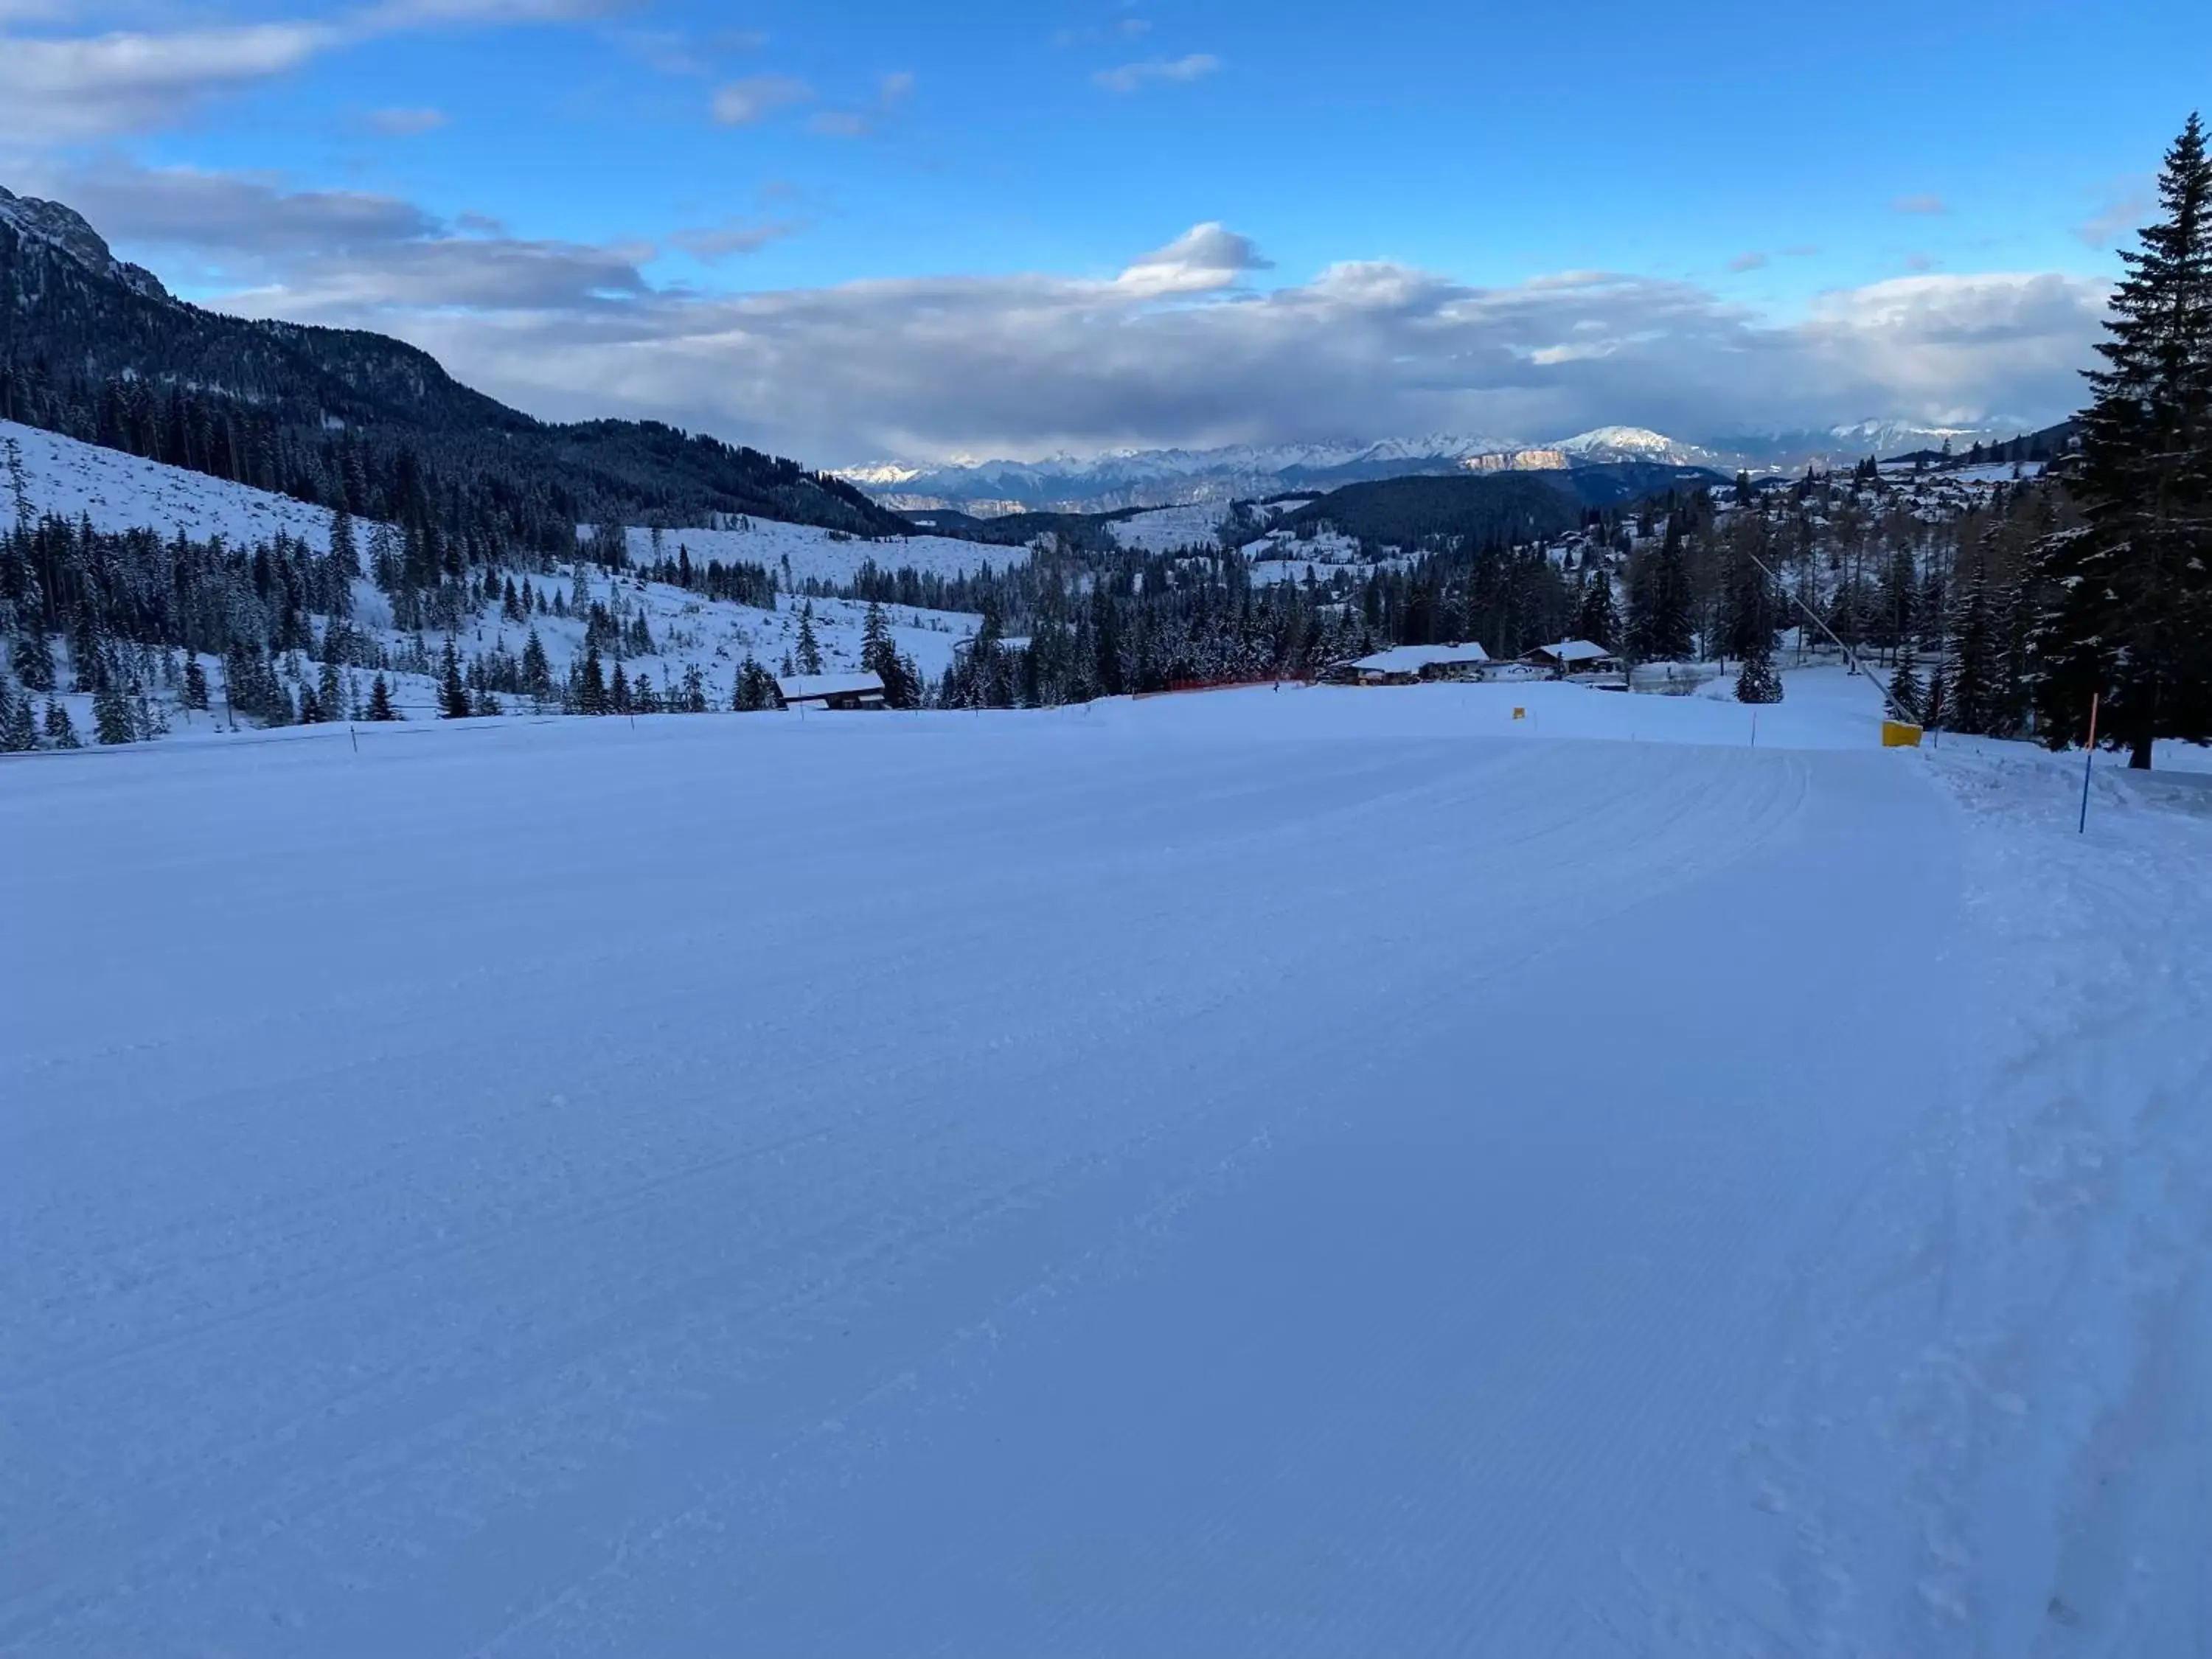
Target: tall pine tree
111, 715
1980, 688
1758, 681
810, 648
2127, 608
1907, 697
590, 683
60, 732
1659, 628
452, 695
879, 655
1595, 620
20, 732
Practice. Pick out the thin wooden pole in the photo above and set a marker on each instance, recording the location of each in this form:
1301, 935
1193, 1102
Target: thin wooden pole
2088, 764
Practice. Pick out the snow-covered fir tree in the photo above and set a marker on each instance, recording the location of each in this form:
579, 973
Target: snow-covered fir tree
1758, 681
61, 732
808, 654
2126, 611
452, 695
1908, 697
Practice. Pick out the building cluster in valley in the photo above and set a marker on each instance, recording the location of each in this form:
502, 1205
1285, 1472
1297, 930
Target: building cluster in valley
1412, 664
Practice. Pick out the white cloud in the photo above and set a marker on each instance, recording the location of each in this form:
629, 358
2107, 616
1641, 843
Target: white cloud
65, 90
1744, 262
1121, 28
681, 52
406, 123
1174, 351
2127, 205
355, 250
714, 243
741, 103
439, 275
57, 90
1959, 348
1924, 205
892, 91
389, 15
1204, 259
237, 213
1135, 77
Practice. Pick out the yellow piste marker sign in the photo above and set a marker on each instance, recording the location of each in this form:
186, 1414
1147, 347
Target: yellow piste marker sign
1896, 734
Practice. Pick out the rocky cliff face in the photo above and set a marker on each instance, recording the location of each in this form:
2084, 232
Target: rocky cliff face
64, 228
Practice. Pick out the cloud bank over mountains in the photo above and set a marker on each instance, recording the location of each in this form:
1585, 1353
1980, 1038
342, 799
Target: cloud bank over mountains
1182, 346
1197, 343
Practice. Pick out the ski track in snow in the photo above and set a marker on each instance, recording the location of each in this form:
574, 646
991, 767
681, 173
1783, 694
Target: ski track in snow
1997, 1438
1263, 1173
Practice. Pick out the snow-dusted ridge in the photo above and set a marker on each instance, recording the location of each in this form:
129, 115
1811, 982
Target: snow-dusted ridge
1635, 443
1167, 478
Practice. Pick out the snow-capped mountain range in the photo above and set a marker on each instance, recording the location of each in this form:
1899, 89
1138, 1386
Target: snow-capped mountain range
1170, 477
1160, 477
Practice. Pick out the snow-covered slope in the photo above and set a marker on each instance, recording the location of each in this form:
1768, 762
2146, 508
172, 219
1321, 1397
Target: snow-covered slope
1167, 529
1266, 1173
829, 555
123, 492
1635, 443
119, 492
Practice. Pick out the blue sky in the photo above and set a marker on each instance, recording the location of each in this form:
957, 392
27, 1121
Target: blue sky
707, 212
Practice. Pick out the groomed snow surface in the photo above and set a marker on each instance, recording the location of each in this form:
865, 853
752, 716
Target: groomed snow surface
1300, 1172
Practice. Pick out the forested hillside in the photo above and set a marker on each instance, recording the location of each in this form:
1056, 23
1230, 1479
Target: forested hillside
99, 350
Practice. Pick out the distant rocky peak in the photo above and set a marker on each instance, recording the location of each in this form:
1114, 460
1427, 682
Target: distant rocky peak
65, 228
